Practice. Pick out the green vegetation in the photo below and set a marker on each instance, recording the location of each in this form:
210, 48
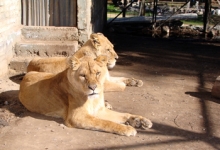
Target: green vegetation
112, 8
113, 11
214, 19
198, 21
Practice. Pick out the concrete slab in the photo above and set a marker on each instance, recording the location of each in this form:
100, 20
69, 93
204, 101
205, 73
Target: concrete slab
19, 64
46, 49
50, 33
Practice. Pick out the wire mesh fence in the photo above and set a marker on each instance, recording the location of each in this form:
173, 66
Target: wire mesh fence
115, 7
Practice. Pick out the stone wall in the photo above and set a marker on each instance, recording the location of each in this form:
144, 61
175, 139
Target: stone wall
91, 18
10, 16
84, 20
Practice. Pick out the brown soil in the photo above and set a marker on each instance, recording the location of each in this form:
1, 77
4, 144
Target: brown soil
178, 76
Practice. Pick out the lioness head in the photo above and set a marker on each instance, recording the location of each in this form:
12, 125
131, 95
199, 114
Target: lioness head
104, 47
88, 75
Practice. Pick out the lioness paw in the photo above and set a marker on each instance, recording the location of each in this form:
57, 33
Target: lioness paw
139, 122
130, 131
134, 82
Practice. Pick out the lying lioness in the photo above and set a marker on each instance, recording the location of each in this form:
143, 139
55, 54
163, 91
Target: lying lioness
76, 95
97, 45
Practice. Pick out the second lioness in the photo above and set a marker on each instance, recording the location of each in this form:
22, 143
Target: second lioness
76, 95
97, 45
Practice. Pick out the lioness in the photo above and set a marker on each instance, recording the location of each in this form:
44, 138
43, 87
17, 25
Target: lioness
77, 96
97, 45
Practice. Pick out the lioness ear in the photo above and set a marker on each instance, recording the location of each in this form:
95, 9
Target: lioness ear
100, 34
95, 40
102, 60
74, 63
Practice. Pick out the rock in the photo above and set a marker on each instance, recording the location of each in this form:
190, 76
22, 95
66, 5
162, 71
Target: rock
3, 123
6, 102
213, 32
216, 88
165, 29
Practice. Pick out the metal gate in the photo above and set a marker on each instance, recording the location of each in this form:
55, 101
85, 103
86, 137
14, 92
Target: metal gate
49, 12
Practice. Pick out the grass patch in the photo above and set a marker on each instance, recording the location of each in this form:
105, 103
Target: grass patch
112, 8
198, 21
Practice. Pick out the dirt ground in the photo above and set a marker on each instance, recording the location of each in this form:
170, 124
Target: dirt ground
178, 75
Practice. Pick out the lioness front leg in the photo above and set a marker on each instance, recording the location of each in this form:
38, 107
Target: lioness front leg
120, 83
94, 123
127, 81
129, 119
114, 86
133, 82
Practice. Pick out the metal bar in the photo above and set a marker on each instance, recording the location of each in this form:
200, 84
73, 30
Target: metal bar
29, 12
51, 12
37, 12
61, 13
56, 13
34, 13
41, 13
73, 14
206, 15
124, 12
67, 12
46, 3
154, 17
24, 8
71, 23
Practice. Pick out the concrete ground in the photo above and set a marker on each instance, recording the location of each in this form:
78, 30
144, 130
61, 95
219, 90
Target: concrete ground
178, 75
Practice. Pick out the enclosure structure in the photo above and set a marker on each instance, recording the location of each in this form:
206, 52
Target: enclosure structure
85, 15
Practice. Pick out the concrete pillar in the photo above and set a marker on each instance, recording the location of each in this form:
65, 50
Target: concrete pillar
84, 20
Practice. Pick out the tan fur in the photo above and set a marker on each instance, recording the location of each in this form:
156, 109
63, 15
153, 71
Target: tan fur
97, 45
76, 95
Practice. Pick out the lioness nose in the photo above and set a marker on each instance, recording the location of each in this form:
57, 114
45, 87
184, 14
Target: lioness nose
92, 86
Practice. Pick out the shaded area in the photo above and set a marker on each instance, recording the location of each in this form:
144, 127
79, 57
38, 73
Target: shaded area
179, 56
197, 58
182, 136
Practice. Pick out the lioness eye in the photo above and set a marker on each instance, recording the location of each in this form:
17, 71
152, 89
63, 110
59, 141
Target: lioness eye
98, 73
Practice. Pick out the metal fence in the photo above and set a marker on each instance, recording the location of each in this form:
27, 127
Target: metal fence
49, 12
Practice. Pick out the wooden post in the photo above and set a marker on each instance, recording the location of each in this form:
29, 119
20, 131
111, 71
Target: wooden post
154, 19
124, 12
206, 15
142, 8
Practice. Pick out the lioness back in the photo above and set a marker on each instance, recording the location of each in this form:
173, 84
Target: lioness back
52, 65
97, 45
34, 98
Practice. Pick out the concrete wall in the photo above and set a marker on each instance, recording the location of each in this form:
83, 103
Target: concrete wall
84, 20
91, 17
10, 16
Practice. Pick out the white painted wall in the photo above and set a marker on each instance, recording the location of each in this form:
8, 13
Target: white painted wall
10, 16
